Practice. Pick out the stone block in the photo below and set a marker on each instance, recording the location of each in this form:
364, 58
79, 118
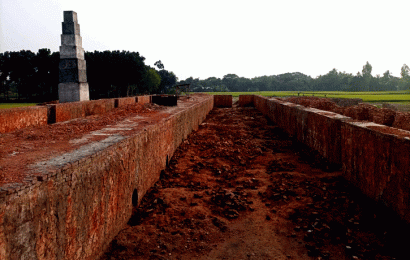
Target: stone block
72, 75
71, 28
71, 92
70, 16
72, 64
71, 52
71, 40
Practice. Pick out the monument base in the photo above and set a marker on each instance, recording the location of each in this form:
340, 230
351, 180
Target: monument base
72, 92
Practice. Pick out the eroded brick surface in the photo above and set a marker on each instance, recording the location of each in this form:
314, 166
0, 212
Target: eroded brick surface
374, 157
143, 99
120, 102
223, 100
74, 207
17, 118
246, 100
67, 111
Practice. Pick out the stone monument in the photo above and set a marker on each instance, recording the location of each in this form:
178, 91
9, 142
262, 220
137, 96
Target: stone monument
73, 84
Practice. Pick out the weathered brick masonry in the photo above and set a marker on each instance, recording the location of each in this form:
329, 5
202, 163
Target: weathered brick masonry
375, 158
67, 111
223, 100
16, 118
143, 99
316, 128
246, 100
120, 102
84, 197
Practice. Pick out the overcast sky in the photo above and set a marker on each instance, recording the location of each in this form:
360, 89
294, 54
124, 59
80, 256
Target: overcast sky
213, 38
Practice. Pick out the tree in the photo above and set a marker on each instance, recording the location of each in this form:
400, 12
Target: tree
152, 80
168, 79
115, 73
230, 81
386, 81
405, 77
367, 70
4, 75
367, 75
159, 65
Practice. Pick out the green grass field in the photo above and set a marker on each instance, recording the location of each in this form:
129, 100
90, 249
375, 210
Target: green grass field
402, 97
12, 105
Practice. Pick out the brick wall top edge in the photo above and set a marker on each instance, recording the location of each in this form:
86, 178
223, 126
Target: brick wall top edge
40, 175
381, 129
104, 100
327, 113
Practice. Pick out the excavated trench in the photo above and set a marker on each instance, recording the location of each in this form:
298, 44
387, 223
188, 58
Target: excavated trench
240, 188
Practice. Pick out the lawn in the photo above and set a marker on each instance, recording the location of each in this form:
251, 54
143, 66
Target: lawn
402, 97
12, 105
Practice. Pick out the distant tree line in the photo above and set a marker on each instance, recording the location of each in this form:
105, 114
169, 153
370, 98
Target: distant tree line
34, 77
332, 81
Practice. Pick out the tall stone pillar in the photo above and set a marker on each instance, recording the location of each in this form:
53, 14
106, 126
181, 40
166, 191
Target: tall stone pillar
73, 78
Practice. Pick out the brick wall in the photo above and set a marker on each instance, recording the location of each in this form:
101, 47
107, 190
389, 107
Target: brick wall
67, 111
375, 158
120, 102
75, 208
143, 99
16, 118
245, 100
223, 100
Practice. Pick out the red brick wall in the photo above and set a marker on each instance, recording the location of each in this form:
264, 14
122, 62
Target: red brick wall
120, 102
80, 205
143, 99
16, 118
223, 101
68, 111
316, 128
375, 158
245, 100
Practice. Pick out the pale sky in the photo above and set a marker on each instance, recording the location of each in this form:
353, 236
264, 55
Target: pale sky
213, 38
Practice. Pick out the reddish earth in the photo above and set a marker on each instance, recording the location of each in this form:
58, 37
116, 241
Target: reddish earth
239, 188
21, 148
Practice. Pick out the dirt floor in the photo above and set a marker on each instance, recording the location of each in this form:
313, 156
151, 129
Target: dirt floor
239, 188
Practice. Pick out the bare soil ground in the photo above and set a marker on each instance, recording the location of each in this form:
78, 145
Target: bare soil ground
239, 188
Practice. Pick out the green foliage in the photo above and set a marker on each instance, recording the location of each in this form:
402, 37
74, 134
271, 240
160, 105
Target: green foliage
159, 65
168, 80
35, 76
332, 81
13, 105
116, 74
370, 96
405, 77
152, 80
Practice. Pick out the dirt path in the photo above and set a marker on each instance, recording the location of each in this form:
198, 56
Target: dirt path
239, 188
